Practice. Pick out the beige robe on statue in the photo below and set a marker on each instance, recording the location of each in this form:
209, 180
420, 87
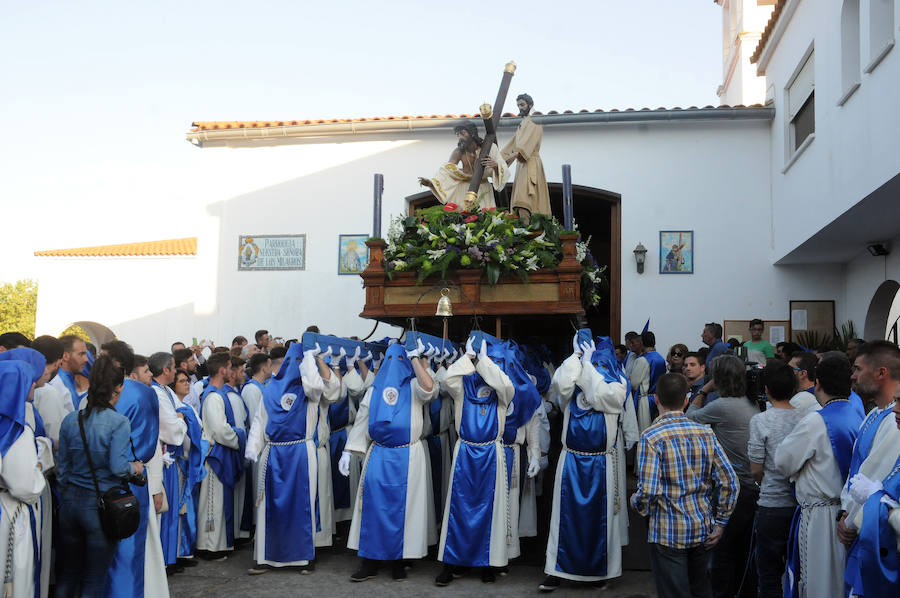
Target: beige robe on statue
450, 184
530, 185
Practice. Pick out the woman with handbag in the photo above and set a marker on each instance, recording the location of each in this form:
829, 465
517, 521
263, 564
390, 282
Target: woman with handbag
87, 546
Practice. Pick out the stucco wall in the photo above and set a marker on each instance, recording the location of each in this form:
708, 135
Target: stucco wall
855, 149
708, 177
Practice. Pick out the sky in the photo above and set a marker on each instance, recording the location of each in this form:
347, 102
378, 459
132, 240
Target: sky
96, 97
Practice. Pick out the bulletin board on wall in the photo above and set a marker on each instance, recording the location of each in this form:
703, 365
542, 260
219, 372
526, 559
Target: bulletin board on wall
812, 315
776, 330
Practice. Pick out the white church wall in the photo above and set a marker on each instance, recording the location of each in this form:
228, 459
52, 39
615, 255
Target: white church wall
864, 275
709, 177
146, 301
855, 146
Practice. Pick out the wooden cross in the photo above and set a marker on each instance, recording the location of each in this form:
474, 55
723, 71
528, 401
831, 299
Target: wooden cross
491, 118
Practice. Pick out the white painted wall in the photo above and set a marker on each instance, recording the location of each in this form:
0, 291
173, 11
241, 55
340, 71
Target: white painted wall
855, 149
743, 22
864, 275
703, 176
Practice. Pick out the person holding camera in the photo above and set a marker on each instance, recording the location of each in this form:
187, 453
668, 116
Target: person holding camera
86, 552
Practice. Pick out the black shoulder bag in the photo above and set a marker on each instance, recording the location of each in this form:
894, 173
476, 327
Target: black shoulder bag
120, 511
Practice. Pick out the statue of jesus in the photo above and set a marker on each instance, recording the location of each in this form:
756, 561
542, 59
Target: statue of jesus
451, 182
530, 194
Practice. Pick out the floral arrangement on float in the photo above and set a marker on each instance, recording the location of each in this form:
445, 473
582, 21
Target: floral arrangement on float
443, 239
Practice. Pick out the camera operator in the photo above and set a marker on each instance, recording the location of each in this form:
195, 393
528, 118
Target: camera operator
87, 549
729, 417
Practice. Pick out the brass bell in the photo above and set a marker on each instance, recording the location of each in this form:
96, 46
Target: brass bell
444, 307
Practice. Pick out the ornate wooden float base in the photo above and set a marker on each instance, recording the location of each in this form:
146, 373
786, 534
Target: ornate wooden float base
553, 294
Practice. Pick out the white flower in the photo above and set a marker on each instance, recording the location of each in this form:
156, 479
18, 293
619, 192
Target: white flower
395, 230
432, 236
580, 251
519, 231
435, 254
531, 263
398, 264
495, 220
457, 228
501, 255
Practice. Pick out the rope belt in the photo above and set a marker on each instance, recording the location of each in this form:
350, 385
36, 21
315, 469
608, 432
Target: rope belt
488, 443
827, 502
804, 532
407, 445
7, 578
612, 452
264, 465
336, 430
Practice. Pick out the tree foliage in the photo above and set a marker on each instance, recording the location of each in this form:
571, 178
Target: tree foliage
77, 331
18, 306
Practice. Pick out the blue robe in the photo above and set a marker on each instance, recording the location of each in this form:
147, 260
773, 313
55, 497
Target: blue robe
139, 404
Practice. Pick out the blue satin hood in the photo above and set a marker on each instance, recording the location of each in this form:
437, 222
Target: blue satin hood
34, 359
15, 384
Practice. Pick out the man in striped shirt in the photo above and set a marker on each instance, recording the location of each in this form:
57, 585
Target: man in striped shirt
680, 465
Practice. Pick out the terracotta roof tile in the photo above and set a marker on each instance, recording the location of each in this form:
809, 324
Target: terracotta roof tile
767, 32
214, 125
185, 246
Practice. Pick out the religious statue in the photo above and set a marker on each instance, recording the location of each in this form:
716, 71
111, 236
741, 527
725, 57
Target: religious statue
451, 182
530, 194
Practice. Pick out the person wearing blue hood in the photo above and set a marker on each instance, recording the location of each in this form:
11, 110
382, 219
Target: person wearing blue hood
21, 477
390, 516
341, 416
129, 574
282, 441
476, 529
588, 521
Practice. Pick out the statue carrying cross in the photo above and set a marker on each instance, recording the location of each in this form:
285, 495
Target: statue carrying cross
482, 166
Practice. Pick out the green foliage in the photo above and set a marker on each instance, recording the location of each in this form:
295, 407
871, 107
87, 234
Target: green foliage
18, 306
843, 336
836, 342
77, 331
441, 240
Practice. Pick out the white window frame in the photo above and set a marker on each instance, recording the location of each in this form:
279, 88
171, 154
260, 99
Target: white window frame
797, 102
850, 49
881, 21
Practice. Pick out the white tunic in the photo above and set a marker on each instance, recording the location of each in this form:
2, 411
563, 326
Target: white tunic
609, 399
493, 376
257, 450
211, 534
43, 509
415, 530
356, 389
805, 456
241, 420
21, 485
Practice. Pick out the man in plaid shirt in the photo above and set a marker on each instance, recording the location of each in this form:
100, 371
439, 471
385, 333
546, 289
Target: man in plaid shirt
680, 466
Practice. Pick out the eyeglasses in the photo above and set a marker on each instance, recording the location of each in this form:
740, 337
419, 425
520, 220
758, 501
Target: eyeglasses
677, 354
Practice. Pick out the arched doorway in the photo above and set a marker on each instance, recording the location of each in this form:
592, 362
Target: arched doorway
98, 332
879, 323
598, 215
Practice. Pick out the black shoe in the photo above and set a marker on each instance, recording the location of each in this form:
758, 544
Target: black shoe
407, 564
259, 569
398, 571
599, 584
307, 568
444, 577
458, 572
549, 584
488, 575
191, 562
503, 571
171, 570
367, 570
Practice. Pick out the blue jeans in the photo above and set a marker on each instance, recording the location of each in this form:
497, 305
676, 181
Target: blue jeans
773, 526
680, 572
85, 552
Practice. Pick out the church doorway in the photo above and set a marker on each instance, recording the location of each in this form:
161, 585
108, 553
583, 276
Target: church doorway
98, 332
598, 215
884, 311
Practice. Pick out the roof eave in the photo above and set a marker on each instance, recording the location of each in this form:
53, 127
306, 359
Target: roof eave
327, 132
766, 48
